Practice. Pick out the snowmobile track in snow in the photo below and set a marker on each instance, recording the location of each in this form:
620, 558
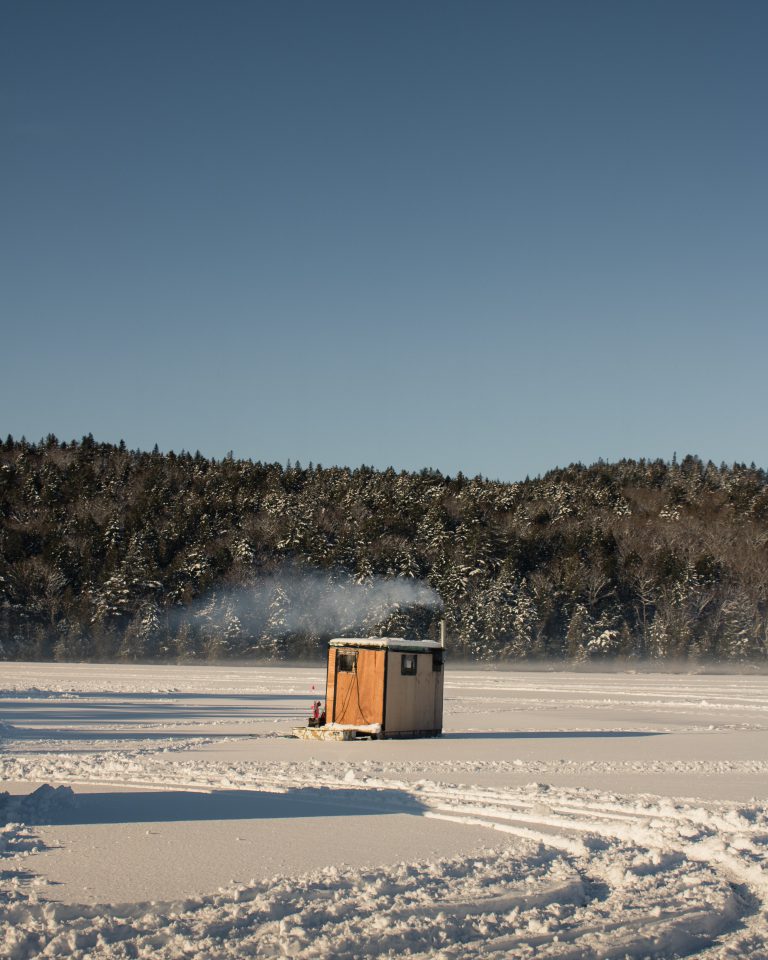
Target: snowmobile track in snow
591, 875
569, 872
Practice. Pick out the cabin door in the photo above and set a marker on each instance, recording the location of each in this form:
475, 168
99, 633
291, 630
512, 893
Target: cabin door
359, 687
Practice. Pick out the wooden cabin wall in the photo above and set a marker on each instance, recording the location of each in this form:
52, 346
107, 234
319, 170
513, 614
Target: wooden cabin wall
439, 683
412, 701
330, 684
358, 698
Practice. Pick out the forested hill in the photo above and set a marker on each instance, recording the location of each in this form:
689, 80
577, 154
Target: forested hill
111, 553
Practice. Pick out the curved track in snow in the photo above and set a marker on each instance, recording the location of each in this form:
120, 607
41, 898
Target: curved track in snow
590, 875
568, 871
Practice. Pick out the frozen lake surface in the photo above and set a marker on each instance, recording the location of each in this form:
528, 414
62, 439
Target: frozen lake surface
577, 815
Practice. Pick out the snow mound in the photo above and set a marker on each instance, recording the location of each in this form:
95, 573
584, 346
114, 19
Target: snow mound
37, 806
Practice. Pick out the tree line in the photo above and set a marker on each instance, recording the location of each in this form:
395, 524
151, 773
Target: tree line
109, 553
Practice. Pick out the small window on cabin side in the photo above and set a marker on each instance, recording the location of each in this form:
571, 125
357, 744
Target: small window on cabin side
408, 665
346, 662
437, 661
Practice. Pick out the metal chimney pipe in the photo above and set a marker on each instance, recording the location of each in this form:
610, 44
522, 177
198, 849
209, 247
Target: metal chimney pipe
442, 634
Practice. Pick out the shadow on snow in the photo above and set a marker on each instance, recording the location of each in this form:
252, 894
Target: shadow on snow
125, 713
550, 734
176, 805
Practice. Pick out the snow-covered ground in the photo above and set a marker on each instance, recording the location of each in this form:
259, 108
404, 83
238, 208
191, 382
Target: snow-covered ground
162, 812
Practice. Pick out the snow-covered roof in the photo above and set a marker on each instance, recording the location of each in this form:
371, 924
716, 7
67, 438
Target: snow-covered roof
387, 643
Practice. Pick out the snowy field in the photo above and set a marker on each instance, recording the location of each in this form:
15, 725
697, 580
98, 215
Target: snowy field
561, 815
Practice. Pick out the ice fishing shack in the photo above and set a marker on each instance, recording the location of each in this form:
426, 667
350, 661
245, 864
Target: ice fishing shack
382, 687
392, 686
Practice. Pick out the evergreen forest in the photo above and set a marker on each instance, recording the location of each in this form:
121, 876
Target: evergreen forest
112, 554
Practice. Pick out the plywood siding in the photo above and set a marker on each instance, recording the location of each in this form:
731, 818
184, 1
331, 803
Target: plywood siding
330, 684
439, 681
412, 700
359, 697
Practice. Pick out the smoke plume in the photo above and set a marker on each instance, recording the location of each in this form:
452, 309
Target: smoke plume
318, 603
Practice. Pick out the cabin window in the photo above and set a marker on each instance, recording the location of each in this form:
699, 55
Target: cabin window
437, 661
346, 662
408, 665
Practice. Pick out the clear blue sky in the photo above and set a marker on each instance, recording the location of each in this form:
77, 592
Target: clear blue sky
488, 236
